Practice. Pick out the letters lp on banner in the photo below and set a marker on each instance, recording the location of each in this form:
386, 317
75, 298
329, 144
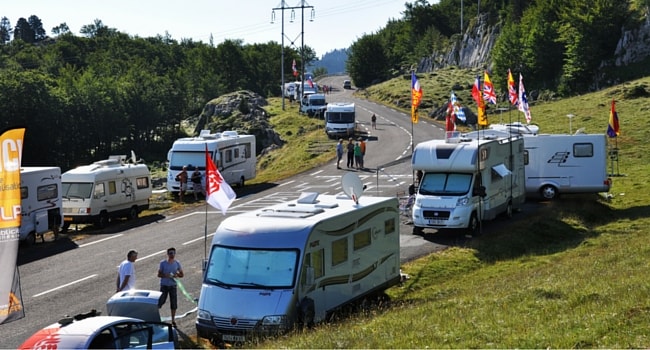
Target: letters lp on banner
11, 149
219, 194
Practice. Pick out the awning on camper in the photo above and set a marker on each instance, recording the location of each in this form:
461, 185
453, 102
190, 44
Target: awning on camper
501, 170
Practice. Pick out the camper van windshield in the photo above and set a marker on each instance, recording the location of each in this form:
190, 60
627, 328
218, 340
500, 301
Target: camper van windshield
445, 184
252, 268
76, 189
340, 117
182, 158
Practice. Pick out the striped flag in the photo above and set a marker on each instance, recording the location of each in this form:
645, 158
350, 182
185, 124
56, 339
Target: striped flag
488, 89
523, 99
512, 91
612, 128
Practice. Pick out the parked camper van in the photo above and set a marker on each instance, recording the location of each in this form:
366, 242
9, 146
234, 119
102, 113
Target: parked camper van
41, 205
105, 189
294, 263
340, 120
313, 104
466, 180
232, 153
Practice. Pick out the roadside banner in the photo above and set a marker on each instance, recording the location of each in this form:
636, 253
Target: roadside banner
11, 149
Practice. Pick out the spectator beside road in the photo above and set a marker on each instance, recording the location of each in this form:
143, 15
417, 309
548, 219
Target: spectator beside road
168, 271
126, 272
339, 153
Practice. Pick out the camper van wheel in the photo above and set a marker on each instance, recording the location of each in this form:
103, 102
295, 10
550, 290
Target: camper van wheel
102, 220
548, 192
133, 213
31, 239
473, 228
241, 182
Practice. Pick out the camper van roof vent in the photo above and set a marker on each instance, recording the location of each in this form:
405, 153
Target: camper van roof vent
230, 133
308, 198
204, 133
291, 211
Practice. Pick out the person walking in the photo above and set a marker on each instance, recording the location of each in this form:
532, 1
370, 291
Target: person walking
362, 143
357, 155
182, 180
350, 149
126, 272
339, 153
196, 183
168, 271
373, 119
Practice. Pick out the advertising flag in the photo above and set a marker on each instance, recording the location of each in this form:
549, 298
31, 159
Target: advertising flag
488, 89
512, 91
416, 97
219, 194
480, 103
612, 128
11, 149
293, 67
523, 99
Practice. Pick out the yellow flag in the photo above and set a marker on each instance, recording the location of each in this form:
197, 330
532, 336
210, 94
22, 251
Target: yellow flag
414, 114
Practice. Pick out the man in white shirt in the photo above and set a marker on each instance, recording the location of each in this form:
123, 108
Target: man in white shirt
126, 272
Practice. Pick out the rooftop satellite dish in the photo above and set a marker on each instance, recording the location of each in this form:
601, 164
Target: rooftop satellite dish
352, 186
133, 158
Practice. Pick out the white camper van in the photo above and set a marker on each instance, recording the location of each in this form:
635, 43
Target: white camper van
294, 263
105, 189
313, 104
340, 120
233, 154
466, 180
41, 206
565, 163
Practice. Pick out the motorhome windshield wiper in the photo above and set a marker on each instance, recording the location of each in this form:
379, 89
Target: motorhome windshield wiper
253, 284
218, 283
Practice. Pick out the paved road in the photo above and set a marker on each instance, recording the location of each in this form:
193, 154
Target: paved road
70, 277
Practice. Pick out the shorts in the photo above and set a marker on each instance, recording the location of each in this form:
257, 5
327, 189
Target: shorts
173, 297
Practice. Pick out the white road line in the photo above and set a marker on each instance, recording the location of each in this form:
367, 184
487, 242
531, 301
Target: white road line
65, 285
101, 240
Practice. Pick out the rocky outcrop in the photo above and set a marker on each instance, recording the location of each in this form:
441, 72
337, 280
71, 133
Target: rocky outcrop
472, 50
634, 45
241, 111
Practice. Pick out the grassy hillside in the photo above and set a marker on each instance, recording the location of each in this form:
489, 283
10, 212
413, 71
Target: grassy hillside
573, 274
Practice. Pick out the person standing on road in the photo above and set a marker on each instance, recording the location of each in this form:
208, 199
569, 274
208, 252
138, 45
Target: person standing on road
357, 155
350, 148
196, 183
168, 271
373, 119
339, 153
182, 180
126, 272
362, 144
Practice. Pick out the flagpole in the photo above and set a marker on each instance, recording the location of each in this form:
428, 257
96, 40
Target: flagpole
205, 227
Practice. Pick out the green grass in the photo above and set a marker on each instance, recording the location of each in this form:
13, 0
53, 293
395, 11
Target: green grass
571, 275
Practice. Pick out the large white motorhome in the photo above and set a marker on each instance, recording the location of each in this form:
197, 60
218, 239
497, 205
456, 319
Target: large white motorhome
313, 104
561, 163
105, 189
295, 263
41, 205
340, 120
233, 154
467, 180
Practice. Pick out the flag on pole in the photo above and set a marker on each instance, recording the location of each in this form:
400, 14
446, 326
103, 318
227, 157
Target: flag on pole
488, 89
11, 302
478, 97
612, 128
416, 97
219, 194
450, 122
310, 82
293, 67
523, 99
458, 109
512, 91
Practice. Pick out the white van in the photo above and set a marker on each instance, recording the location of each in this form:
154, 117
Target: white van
313, 105
467, 180
108, 188
340, 120
295, 263
41, 204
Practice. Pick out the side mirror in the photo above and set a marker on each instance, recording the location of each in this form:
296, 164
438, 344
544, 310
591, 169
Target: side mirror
479, 191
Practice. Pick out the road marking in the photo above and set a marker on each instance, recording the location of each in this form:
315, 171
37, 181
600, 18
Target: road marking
101, 240
65, 285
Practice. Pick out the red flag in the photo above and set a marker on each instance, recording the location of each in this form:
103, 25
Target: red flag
219, 194
295, 71
450, 124
612, 128
512, 91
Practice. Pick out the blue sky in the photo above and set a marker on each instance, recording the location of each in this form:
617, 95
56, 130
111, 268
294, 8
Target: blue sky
336, 23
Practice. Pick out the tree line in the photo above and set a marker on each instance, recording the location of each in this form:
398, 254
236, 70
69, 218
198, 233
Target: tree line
83, 98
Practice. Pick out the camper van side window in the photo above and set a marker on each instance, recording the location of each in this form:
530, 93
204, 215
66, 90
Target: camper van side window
361, 239
236, 153
112, 189
142, 182
228, 156
389, 226
99, 190
46, 192
339, 251
583, 150
24, 192
247, 150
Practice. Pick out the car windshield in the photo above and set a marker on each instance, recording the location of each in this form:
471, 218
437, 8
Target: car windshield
340, 117
445, 184
76, 189
252, 268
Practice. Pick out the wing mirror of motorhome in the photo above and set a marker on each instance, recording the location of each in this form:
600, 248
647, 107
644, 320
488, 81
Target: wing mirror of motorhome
479, 191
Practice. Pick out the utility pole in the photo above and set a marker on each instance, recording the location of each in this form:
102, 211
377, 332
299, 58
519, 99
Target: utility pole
283, 6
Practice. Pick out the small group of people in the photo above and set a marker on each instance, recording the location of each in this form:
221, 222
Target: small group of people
197, 183
355, 152
169, 270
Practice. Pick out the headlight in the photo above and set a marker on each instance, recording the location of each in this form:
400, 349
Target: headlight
204, 315
274, 320
462, 201
82, 211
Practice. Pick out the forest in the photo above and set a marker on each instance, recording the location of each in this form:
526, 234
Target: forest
104, 92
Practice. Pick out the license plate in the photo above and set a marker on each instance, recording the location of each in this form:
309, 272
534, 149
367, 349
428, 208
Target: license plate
67, 218
436, 222
231, 337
